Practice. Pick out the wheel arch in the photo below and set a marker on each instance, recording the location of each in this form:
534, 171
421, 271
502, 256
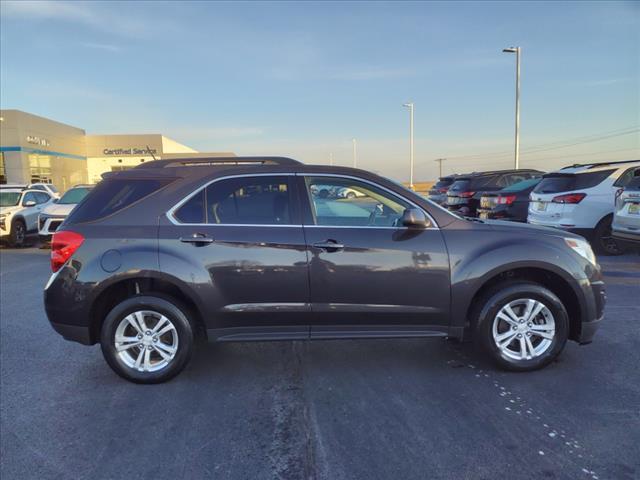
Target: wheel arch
147, 283
548, 276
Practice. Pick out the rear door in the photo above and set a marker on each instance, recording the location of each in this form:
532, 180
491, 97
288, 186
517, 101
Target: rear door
240, 246
367, 272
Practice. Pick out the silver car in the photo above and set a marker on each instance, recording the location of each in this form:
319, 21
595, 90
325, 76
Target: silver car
626, 218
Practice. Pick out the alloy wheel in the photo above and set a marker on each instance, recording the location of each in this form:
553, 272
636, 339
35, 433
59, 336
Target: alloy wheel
146, 341
523, 329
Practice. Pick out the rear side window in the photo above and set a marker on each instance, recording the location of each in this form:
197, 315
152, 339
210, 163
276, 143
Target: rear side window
555, 183
522, 185
627, 176
193, 210
112, 195
262, 200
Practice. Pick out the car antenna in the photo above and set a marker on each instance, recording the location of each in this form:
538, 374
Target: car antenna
151, 152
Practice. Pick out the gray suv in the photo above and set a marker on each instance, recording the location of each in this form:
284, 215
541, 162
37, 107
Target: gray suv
240, 249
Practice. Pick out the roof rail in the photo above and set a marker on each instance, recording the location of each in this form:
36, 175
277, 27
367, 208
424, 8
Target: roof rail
598, 164
218, 161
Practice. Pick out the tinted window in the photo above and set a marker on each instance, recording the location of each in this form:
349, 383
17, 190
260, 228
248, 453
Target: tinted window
112, 195
29, 197
75, 195
563, 182
523, 185
9, 199
348, 202
249, 200
193, 210
443, 182
634, 184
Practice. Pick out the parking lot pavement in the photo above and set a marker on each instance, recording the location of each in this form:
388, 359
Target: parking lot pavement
332, 409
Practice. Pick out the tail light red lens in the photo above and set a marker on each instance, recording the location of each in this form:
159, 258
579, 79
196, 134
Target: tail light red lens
569, 198
467, 194
443, 189
63, 245
506, 199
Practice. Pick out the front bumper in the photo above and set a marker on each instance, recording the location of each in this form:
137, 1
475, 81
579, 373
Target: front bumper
73, 333
592, 321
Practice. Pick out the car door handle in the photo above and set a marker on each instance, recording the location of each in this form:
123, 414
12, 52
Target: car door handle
329, 245
197, 238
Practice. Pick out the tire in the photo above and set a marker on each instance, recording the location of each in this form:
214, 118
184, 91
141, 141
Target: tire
603, 240
551, 321
18, 233
134, 363
351, 195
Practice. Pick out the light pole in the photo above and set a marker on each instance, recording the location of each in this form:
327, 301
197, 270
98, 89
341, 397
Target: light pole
410, 107
355, 153
440, 160
517, 51
331, 159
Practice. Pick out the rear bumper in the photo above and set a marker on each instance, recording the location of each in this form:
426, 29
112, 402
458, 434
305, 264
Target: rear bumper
73, 333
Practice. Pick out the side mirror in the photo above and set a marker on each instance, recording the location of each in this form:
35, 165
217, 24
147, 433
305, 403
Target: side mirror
29, 203
416, 218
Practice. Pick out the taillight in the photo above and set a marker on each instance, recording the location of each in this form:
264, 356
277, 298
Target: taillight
506, 199
466, 194
569, 198
443, 189
63, 245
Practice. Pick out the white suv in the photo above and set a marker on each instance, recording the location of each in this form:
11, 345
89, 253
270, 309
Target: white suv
580, 198
19, 210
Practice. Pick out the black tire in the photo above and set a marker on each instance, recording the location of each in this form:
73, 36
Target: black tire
174, 312
18, 233
489, 305
603, 240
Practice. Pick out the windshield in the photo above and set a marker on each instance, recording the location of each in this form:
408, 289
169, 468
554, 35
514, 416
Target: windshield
9, 199
73, 196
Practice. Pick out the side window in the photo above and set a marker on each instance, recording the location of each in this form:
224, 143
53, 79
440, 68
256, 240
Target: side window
347, 202
41, 197
38, 187
627, 176
29, 197
193, 210
260, 200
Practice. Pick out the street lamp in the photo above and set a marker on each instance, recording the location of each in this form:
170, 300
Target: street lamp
518, 52
410, 107
355, 153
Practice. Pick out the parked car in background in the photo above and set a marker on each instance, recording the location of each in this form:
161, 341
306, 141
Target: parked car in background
19, 210
581, 199
173, 250
463, 197
323, 191
626, 218
50, 188
53, 215
346, 192
438, 192
510, 203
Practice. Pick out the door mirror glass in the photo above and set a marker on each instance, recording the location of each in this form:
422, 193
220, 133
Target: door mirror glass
29, 203
416, 218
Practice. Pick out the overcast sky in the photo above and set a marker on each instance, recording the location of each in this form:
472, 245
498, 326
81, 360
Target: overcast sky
302, 79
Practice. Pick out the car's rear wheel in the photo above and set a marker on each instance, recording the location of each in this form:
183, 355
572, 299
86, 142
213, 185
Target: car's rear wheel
603, 239
147, 339
18, 233
522, 326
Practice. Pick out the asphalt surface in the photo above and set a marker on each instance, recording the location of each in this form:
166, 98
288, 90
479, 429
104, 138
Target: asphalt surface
367, 409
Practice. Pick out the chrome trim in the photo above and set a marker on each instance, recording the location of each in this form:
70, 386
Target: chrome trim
172, 210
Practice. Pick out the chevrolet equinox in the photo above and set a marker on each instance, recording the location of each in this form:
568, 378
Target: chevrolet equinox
246, 248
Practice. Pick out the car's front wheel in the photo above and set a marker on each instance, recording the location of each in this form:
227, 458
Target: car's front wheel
523, 326
18, 233
147, 339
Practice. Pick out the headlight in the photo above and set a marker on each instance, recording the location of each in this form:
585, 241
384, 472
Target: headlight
582, 248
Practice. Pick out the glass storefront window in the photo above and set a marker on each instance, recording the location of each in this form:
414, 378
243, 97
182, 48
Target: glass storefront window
40, 168
3, 173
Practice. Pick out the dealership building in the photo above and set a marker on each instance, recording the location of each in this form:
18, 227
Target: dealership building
36, 149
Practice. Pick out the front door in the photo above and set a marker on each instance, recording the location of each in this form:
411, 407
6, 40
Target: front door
239, 243
368, 272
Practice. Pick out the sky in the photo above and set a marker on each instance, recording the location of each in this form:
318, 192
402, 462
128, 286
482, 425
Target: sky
303, 79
